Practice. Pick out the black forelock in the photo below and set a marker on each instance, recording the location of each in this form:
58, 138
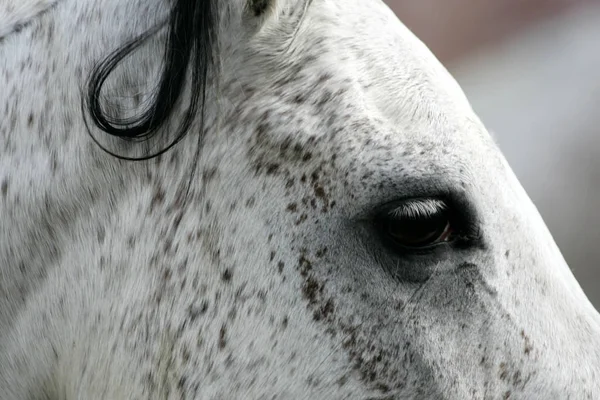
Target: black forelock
191, 43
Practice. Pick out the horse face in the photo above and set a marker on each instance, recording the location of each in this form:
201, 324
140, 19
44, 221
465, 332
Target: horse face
350, 230
350, 127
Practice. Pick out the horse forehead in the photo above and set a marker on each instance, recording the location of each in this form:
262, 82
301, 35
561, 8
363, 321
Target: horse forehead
356, 58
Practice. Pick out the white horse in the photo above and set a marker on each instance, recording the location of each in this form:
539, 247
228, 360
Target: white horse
334, 222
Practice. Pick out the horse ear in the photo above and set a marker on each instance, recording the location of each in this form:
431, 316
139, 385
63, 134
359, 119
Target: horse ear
256, 13
259, 7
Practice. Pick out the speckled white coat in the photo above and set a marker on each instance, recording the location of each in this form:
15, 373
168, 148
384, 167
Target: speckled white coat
269, 281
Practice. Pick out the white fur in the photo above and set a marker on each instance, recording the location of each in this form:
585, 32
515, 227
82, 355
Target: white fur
269, 282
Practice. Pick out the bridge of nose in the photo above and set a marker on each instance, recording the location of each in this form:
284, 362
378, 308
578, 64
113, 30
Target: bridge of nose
559, 328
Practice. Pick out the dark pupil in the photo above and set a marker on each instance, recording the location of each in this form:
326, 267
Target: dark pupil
417, 231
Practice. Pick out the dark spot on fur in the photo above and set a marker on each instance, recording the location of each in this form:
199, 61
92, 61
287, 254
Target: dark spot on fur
503, 371
101, 234
324, 311
259, 7
195, 312
321, 252
528, 346
304, 265
4, 188
157, 198
222, 338
311, 289
272, 169
301, 219
227, 275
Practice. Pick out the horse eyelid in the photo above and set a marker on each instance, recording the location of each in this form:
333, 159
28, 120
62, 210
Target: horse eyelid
418, 208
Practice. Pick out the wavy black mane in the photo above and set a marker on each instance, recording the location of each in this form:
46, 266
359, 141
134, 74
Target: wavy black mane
191, 39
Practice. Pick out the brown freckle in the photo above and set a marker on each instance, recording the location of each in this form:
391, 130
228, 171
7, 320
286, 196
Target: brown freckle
208, 174
101, 234
399, 305
324, 311
167, 275
321, 252
311, 289
299, 99
284, 322
503, 371
319, 191
185, 355
517, 378
302, 218
227, 275
54, 163
528, 346
272, 169
157, 198
194, 312
181, 383
304, 265
222, 339
272, 256
4, 188
280, 266
177, 220
261, 129
30, 121
292, 207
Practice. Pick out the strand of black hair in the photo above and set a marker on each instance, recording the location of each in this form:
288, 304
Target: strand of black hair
191, 40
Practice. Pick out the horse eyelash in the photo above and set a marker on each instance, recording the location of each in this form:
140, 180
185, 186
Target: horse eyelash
422, 208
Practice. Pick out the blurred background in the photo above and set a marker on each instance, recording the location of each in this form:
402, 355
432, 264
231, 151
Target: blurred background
531, 69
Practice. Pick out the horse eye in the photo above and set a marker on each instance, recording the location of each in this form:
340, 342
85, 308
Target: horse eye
417, 224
